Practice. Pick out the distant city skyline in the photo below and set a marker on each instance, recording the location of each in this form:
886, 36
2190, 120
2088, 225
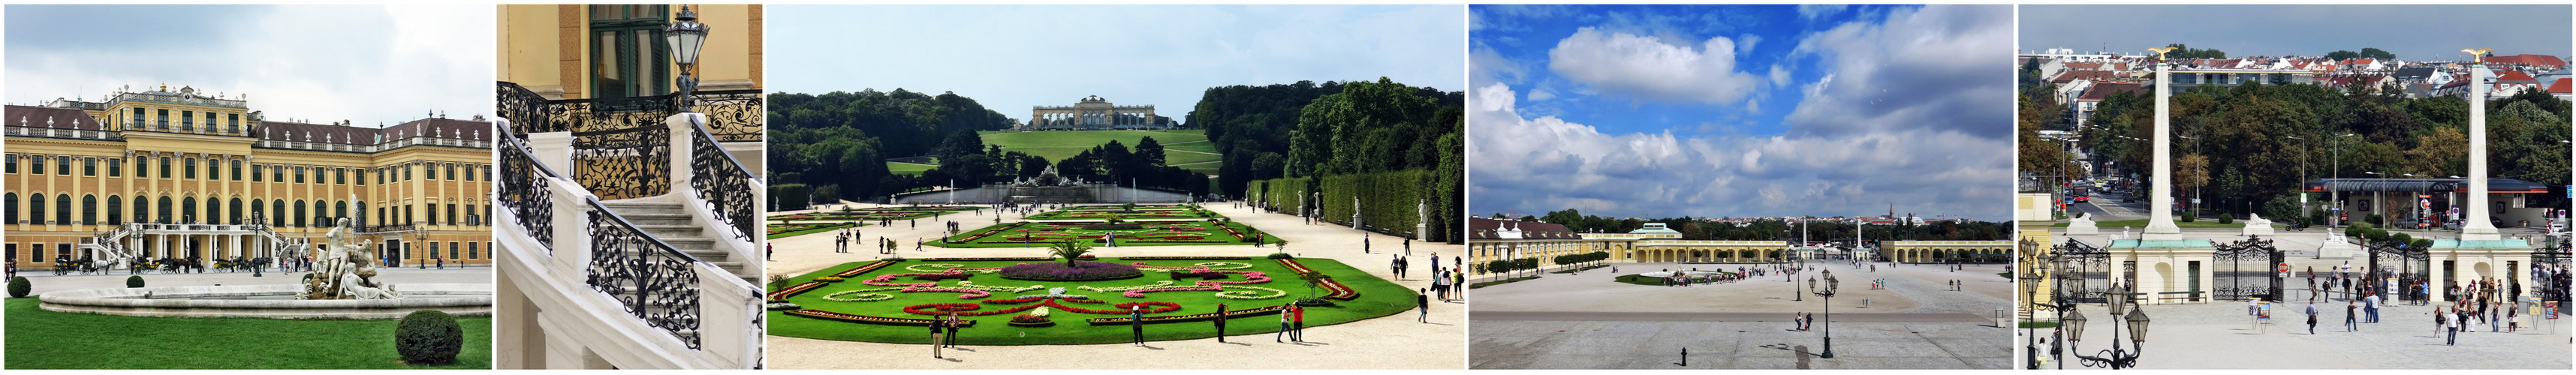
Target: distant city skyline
2412, 32
1741, 111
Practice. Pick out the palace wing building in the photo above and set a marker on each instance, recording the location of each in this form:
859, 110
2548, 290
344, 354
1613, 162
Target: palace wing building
165, 175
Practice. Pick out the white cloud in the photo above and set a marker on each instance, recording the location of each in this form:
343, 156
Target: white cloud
1649, 68
1779, 75
1918, 70
1813, 11
1540, 94
366, 64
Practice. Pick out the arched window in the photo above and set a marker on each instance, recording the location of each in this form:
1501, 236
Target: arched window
36, 208
164, 218
299, 213
277, 213
236, 219
214, 211
115, 210
362, 208
339, 210
187, 211
89, 210
12, 202
63, 208
142, 209
259, 211
320, 209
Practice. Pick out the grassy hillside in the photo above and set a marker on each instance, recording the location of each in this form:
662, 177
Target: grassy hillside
1057, 145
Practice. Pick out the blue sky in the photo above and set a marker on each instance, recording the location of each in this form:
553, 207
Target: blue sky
2413, 32
1662, 111
1012, 57
365, 63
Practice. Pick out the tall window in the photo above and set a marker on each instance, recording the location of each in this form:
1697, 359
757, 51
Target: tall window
451, 250
165, 167
429, 171
627, 54
138, 118
451, 171
214, 169
165, 211
256, 173
232, 123
89, 166
63, 209
187, 210
36, 164
63, 165
258, 211
36, 208
187, 120
451, 214
237, 212
277, 213
362, 175
89, 210
473, 250
115, 210
299, 175
142, 209
277, 173
339, 175
115, 167
12, 200
214, 212
236, 170
162, 119
406, 173
191, 168
13, 163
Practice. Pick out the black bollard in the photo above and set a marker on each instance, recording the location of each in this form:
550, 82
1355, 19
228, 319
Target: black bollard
1685, 357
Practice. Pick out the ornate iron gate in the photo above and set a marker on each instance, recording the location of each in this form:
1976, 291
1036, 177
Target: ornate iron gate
2549, 274
2083, 272
2395, 260
2245, 270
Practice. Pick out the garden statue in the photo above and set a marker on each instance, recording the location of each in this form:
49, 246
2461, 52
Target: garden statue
344, 270
1422, 225
1355, 212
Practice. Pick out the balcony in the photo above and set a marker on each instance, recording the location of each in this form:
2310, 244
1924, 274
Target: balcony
732, 115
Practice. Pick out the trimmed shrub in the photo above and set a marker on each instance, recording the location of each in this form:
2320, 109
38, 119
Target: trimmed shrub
1282, 256
2187, 217
428, 337
135, 281
2226, 218
18, 287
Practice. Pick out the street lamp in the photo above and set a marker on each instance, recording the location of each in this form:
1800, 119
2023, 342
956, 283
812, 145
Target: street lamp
419, 235
686, 37
2133, 321
1831, 285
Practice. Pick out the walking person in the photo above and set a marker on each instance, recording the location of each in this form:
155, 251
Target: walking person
1299, 318
953, 325
935, 335
1136, 322
1283, 324
2312, 319
1220, 322
1423, 301
2349, 320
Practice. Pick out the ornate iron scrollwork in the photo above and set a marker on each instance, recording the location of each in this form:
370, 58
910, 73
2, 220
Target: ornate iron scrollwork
2246, 270
2083, 272
622, 164
523, 190
724, 184
654, 281
732, 115
527, 111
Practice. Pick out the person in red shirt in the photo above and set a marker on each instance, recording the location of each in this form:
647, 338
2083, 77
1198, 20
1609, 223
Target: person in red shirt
1298, 316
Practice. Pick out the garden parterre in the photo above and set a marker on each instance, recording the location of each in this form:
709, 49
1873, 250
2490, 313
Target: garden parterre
887, 301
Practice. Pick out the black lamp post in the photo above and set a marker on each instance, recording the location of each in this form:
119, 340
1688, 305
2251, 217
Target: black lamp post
2134, 320
686, 37
1827, 291
419, 235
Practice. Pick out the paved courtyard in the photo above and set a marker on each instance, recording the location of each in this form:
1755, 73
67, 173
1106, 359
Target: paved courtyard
2221, 335
1391, 342
1588, 321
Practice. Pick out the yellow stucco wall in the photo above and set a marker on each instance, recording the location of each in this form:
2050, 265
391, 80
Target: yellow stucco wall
545, 47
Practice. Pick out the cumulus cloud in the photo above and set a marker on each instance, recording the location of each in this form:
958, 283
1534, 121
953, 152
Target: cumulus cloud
367, 64
1923, 69
1813, 11
1647, 67
1848, 163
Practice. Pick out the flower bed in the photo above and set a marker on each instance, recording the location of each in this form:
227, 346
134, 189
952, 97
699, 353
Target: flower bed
856, 318
1079, 271
1210, 275
1023, 259
936, 277
1184, 258
870, 267
791, 291
1339, 291
1235, 314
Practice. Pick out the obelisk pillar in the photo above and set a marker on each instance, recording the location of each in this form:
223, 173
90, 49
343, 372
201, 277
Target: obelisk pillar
2477, 228
2160, 226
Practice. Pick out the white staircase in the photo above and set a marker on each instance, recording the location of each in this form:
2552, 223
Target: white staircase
672, 223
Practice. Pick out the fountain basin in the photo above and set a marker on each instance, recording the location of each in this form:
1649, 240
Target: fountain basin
268, 301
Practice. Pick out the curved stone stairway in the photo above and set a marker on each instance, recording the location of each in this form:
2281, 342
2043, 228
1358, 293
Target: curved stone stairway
671, 223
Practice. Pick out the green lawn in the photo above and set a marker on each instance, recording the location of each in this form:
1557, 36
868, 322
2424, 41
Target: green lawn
1057, 145
1150, 214
1056, 231
40, 339
1377, 297
2142, 224
908, 168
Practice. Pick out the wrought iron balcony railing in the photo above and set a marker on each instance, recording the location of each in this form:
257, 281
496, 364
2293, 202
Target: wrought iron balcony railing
733, 115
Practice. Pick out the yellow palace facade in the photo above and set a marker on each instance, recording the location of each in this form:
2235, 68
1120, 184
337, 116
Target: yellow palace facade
179, 174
